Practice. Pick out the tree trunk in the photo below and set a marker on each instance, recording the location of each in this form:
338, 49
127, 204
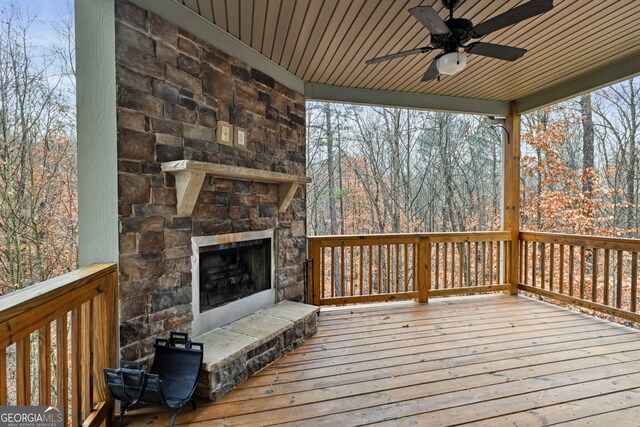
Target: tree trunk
588, 176
340, 182
333, 221
633, 160
587, 145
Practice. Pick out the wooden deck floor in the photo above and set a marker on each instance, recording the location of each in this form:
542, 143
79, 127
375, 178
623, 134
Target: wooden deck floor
490, 360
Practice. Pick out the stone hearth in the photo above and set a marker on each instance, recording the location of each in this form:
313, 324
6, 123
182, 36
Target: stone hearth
241, 348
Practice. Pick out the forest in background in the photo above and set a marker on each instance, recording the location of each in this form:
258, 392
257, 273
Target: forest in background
38, 174
386, 170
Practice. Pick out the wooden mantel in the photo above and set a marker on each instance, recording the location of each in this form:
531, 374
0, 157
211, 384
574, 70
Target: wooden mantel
190, 175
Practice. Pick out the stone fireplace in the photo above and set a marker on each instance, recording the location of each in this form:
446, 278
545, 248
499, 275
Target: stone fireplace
172, 90
233, 276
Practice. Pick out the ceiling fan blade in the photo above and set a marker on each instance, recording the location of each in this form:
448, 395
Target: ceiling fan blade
513, 16
432, 71
430, 19
399, 55
498, 51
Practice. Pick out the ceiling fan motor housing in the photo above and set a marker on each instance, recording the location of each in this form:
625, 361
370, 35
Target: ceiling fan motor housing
460, 30
450, 4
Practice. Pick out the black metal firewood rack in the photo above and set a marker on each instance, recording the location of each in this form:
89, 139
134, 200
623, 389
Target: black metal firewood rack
171, 381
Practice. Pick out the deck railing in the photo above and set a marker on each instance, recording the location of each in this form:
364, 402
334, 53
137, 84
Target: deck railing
64, 330
368, 268
598, 273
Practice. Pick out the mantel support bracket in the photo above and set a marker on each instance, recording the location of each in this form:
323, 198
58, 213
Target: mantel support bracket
286, 191
188, 186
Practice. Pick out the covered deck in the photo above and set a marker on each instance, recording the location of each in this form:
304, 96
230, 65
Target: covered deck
482, 360
491, 360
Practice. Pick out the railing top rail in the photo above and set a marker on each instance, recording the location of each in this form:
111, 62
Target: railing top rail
468, 236
600, 242
38, 294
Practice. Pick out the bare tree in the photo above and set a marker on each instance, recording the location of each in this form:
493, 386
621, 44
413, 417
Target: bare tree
394, 173
37, 159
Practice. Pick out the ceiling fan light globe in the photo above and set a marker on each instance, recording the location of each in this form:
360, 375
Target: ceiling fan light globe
451, 63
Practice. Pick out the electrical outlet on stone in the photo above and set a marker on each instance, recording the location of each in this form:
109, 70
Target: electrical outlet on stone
241, 135
224, 133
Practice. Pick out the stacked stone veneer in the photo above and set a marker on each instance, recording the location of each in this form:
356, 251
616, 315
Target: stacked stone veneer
172, 90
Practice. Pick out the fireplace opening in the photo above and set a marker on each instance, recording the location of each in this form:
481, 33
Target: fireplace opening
232, 271
233, 277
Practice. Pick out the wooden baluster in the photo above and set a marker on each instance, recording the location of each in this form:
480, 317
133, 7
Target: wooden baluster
491, 263
3, 377
507, 261
634, 281
552, 264
619, 281
379, 290
100, 348
323, 269
44, 365
484, 263
510, 253
111, 310
427, 267
389, 287
534, 261
475, 263
437, 265
561, 269
468, 264
460, 264
342, 284
333, 266
594, 275
571, 269
454, 268
521, 261
370, 270
415, 264
525, 262
582, 270
62, 363
502, 246
406, 267
445, 268
543, 264
87, 359
351, 281
361, 267
311, 283
76, 366
607, 274
424, 269
397, 268
23, 371
453, 265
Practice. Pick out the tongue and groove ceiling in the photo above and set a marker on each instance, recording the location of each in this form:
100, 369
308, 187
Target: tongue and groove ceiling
579, 45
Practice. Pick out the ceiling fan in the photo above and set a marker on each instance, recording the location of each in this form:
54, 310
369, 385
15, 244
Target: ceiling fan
453, 35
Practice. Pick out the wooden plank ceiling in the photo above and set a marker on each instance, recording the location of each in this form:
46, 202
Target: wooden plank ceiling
327, 42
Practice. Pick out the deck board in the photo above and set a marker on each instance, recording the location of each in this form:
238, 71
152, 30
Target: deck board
489, 360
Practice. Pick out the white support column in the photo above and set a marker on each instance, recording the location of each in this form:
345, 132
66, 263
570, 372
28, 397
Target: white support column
97, 134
